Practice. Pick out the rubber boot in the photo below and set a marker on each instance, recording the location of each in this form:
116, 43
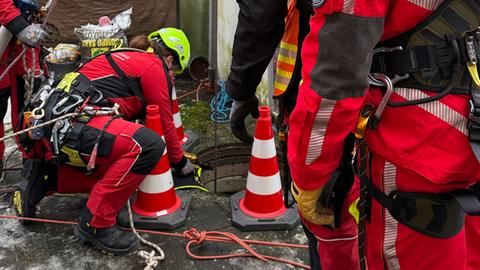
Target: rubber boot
111, 240
31, 189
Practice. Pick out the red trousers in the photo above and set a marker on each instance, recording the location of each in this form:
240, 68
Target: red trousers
391, 245
134, 152
337, 249
472, 234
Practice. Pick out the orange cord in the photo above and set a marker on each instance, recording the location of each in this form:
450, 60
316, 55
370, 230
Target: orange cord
195, 237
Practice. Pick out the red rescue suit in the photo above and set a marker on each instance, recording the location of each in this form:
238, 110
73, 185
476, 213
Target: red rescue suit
13, 84
421, 148
9, 15
127, 151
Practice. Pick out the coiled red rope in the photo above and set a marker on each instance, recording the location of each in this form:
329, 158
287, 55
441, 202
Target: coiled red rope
195, 237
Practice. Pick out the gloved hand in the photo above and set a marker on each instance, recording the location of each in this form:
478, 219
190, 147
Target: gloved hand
240, 110
310, 207
32, 35
183, 168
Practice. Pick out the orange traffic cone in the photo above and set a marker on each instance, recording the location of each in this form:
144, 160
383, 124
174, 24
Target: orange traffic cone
177, 118
158, 206
187, 139
261, 206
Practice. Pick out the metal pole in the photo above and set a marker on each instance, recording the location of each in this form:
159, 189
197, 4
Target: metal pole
212, 71
212, 43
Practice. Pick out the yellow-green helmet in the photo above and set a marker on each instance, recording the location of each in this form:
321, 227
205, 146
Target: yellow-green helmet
176, 40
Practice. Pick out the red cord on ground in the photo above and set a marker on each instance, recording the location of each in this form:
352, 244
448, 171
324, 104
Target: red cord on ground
195, 237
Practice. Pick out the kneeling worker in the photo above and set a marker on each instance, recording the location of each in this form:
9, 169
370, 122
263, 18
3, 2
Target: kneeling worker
119, 152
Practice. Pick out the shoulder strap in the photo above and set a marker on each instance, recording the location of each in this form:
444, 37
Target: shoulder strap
134, 87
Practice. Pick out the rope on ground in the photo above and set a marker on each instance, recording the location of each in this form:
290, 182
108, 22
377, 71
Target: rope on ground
201, 85
150, 259
197, 238
222, 102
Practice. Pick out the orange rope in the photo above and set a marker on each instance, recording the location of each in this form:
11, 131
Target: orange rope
195, 237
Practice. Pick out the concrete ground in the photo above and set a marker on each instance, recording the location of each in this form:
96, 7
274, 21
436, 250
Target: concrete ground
52, 246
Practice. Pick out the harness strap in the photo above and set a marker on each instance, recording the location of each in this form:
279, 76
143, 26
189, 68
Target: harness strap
473, 124
423, 59
134, 87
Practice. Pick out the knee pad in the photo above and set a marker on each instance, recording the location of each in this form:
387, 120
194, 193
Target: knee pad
152, 148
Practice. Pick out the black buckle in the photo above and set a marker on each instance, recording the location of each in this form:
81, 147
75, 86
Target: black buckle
379, 57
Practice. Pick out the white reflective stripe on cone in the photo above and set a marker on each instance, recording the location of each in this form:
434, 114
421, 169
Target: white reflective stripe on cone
177, 119
264, 185
165, 150
174, 93
264, 148
157, 183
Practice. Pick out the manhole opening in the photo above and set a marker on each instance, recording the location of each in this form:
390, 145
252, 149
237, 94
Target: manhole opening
232, 167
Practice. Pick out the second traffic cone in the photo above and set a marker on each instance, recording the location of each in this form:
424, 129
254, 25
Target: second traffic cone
187, 139
158, 206
260, 206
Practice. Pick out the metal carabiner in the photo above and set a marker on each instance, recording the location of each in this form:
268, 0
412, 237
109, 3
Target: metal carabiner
38, 112
58, 111
388, 83
100, 97
396, 78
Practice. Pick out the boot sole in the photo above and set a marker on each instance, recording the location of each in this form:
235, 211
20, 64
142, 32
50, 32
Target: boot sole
22, 209
86, 237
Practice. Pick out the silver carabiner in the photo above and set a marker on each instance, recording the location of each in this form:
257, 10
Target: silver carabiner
38, 112
58, 111
100, 97
376, 82
388, 83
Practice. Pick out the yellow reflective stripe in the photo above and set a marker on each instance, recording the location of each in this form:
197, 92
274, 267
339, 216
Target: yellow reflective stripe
286, 59
288, 46
67, 81
282, 80
289, 50
280, 87
192, 187
284, 73
73, 156
353, 210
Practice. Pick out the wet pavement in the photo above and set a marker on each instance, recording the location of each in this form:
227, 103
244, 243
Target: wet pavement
53, 246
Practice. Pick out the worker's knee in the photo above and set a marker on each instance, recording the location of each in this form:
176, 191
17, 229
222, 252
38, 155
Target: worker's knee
152, 148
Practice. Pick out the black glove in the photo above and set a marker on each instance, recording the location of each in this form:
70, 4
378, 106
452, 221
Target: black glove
240, 110
183, 168
32, 35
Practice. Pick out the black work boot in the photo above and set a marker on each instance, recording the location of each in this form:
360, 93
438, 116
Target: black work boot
31, 189
110, 240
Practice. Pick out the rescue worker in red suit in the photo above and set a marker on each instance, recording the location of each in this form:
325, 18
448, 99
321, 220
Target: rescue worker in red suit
422, 148
16, 16
260, 27
126, 151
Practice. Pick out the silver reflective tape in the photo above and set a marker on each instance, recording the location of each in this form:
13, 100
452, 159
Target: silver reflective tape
427, 4
391, 225
436, 108
348, 6
318, 130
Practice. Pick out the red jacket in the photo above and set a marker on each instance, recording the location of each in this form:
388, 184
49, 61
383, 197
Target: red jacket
12, 19
148, 71
429, 139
